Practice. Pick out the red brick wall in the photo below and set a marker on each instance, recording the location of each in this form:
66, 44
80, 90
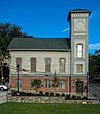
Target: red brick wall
27, 86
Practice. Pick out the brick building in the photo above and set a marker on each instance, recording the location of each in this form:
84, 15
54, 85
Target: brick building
44, 58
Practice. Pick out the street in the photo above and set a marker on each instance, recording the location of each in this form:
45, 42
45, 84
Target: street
94, 89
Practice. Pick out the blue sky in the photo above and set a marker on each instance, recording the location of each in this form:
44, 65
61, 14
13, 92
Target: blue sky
48, 18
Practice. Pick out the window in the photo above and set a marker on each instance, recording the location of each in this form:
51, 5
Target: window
19, 61
20, 83
62, 82
33, 64
47, 64
79, 68
62, 62
47, 83
79, 50
31, 83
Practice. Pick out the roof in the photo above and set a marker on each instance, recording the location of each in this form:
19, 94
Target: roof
40, 44
78, 11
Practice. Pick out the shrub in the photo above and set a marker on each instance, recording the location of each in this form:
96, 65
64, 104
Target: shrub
47, 93
13, 93
63, 95
51, 94
78, 97
67, 96
57, 94
41, 92
73, 97
85, 97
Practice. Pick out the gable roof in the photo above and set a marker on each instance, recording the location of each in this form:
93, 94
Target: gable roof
40, 44
78, 11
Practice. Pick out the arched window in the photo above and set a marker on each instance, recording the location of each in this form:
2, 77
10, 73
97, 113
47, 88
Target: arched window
79, 49
62, 62
19, 61
33, 64
47, 64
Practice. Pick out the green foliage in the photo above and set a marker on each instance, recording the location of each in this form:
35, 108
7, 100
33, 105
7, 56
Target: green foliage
79, 86
51, 94
63, 95
56, 83
57, 94
41, 92
36, 83
67, 96
47, 93
73, 97
78, 97
7, 33
94, 65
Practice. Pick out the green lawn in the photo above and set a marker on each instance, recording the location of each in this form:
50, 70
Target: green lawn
36, 108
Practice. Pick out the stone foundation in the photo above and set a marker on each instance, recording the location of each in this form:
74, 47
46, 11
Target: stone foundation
41, 99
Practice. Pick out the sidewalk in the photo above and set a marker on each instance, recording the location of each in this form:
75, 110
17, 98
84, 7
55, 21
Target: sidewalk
3, 97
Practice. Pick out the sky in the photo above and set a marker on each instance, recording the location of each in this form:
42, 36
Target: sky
48, 18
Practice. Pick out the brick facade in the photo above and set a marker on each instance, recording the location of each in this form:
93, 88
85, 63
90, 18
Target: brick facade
26, 84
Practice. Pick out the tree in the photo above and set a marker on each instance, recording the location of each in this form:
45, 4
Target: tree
56, 83
79, 86
36, 83
94, 65
7, 33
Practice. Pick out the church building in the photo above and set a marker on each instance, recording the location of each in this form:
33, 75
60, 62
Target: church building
46, 58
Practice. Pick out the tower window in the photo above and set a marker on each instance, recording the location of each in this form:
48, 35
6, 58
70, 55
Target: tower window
79, 68
79, 50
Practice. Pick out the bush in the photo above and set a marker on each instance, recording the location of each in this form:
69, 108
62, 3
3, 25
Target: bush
85, 97
57, 94
63, 95
47, 93
67, 96
73, 97
13, 93
41, 92
78, 97
51, 94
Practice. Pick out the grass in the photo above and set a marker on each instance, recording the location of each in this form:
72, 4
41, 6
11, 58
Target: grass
38, 108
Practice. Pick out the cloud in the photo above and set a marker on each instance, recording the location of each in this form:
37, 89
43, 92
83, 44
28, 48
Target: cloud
94, 46
65, 30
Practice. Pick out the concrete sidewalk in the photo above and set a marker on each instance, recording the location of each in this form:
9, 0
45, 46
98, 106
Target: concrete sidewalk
3, 97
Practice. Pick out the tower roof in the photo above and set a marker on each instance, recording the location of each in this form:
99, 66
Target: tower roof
78, 11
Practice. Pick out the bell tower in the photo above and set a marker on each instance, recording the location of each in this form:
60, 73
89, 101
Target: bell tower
78, 20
